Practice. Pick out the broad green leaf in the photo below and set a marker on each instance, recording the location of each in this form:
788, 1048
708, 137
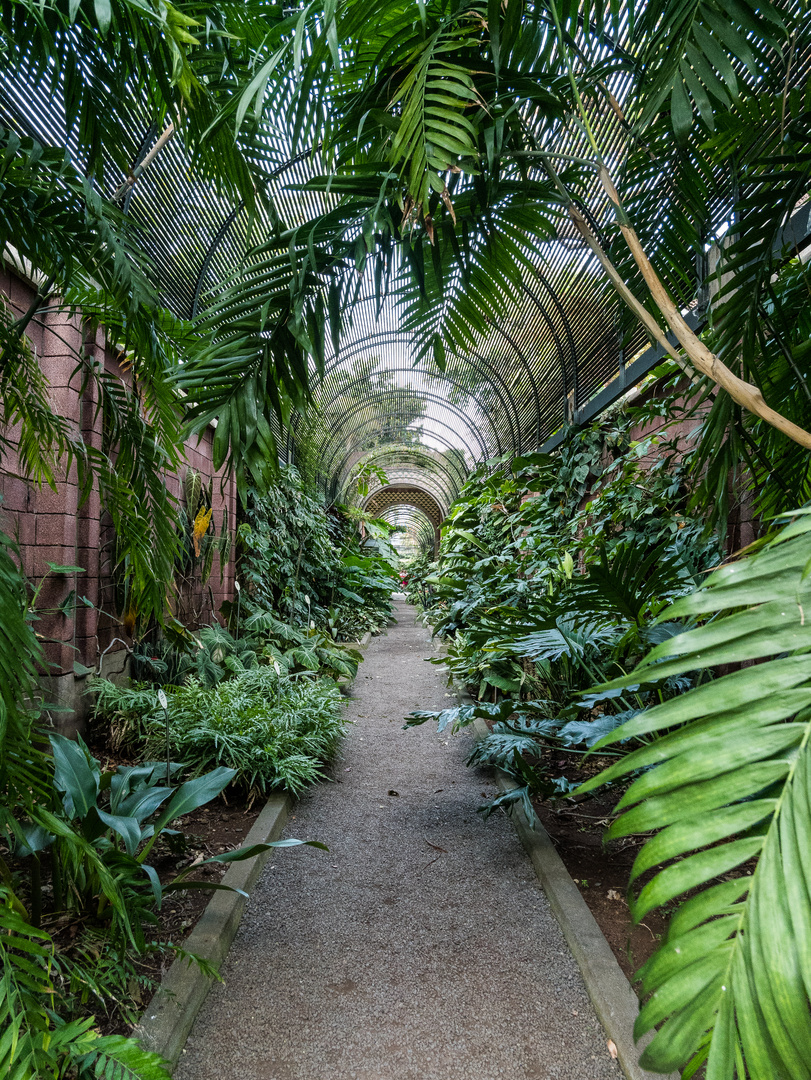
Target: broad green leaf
256, 849
188, 797
74, 776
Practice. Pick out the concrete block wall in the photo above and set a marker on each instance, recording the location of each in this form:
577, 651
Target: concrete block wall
57, 527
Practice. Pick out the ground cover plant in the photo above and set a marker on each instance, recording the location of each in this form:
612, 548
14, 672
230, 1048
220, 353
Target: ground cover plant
271, 731
75, 849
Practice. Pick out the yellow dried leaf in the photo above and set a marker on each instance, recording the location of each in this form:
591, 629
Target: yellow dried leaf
201, 524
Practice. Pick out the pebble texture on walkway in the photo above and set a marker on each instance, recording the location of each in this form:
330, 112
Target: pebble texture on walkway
421, 947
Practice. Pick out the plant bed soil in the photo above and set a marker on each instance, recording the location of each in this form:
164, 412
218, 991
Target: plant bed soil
211, 830
601, 870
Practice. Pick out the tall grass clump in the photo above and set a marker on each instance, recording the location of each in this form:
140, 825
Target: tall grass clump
275, 732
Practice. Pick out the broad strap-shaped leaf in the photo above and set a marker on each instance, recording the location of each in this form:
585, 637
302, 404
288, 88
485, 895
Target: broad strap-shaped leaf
126, 827
188, 797
239, 854
74, 776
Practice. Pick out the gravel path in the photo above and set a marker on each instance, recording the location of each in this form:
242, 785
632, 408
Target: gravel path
421, 946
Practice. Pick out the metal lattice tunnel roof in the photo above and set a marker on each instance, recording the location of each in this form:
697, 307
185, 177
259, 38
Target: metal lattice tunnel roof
413, 510
562, 355
405, 495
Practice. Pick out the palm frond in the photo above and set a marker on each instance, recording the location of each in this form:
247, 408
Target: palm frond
725, 786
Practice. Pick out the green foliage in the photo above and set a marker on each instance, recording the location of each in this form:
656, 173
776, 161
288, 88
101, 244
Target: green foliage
125, 828
37, 1044
199, 540
417, 571
364, 474
552, 575
99, 272
520, 733
35, 1041
309, 568
771, 469
211, 654
724, 786
552, 568
310, 651
22, 778
289, 554
88, 257
267, 730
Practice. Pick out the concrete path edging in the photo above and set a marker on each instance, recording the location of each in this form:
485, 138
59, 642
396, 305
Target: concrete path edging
167, 1021
611, 994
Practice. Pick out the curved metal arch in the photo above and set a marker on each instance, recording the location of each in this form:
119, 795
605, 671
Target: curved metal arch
392, 337
401, 498
380, 396
441, 423
547, 318
515, 431
413, 479
343, 474
414, 510
561, 310
434, 435
558, 345
405, 371
228, 221
500, 329
410, 476
402, 466
331, 486
429, 454
428, 535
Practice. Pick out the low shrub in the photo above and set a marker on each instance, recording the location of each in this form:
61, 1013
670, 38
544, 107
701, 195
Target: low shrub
275, 732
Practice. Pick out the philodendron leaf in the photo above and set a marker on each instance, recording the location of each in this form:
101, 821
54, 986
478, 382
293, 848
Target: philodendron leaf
458, 716
74, 776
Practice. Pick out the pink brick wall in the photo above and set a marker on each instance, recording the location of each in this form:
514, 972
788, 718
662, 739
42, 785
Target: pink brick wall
52, 527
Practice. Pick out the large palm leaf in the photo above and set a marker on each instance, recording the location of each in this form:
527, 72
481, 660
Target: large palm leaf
726, 788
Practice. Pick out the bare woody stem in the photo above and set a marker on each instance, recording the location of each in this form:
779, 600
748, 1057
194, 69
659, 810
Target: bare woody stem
165, 136
641, 312
703, 359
